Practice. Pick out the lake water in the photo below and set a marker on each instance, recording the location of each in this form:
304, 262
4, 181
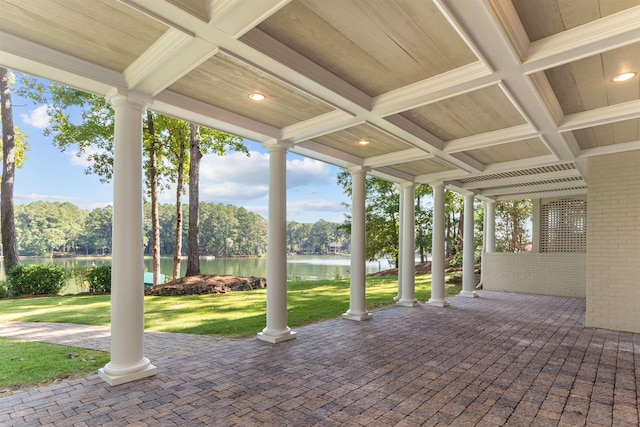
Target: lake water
299, 267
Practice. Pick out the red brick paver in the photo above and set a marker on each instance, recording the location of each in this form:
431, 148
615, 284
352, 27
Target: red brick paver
502, 359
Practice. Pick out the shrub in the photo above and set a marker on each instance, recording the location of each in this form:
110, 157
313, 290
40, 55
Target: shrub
79, 275
99, 279
4, 291
36, 279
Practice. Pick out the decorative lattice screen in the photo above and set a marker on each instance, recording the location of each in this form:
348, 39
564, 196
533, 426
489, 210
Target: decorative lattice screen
564, 226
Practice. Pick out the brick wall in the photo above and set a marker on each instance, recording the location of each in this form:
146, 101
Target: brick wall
613, 242
560, 274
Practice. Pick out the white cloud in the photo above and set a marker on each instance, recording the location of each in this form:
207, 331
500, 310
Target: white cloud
254, 170
38, 118
46, 198
299, 206
82, 159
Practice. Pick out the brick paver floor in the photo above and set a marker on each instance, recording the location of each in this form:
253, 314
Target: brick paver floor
501, 359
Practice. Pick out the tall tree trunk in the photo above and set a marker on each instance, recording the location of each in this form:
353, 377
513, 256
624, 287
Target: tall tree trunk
193, 234
9, 245
153, 184
177, 249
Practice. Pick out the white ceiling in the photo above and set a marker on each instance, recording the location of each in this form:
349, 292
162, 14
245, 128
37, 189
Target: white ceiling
506, 99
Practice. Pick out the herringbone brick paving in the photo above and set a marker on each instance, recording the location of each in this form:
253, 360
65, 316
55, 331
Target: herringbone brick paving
502, 359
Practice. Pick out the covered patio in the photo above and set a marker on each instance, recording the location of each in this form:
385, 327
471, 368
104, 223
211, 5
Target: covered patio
503, 359
495, 99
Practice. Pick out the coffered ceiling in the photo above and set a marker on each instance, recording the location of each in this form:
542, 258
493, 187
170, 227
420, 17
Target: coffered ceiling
503, 98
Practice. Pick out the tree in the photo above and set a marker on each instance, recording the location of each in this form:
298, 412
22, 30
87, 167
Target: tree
424, 220
13, 149
193, 244
511, 220
381, 216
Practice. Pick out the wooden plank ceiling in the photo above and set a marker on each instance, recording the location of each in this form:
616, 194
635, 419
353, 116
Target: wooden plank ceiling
503, 98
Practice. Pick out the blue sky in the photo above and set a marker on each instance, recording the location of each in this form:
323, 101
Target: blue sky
51, 175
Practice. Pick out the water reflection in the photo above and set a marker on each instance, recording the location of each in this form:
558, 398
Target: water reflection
299, 267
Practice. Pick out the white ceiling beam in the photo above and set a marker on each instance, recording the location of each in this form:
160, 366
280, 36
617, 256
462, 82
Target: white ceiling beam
397, 157
180, 106
543, 194
245, 15
497, 182
609, 149
601, 116
535, 188
489, 139
170, 58
327, 154
317, 126
441, 176
527, 163
461, 80
604, 34
31, 58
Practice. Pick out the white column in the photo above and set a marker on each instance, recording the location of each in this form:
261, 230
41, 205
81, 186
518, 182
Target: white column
536, 223
127, 285
491, 226
399, 265
357, 297
468, 249
408, 248
438, 248
277, 330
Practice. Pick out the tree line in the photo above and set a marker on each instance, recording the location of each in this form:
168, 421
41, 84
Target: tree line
63, 229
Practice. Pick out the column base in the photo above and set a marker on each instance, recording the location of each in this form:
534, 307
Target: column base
437, 303
468, 294
111, 379
357, 317
275, 339
410, 303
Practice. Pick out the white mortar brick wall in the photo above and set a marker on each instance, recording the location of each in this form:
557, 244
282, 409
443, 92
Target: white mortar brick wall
559, 274
613, 242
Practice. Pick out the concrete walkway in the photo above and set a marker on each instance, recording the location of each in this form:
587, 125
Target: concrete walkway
502, 359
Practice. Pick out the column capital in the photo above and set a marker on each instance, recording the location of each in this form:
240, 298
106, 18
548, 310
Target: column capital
358, 169
275, 145
118, 97
407, 184
437, 184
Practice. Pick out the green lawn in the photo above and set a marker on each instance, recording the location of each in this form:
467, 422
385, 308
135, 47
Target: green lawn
29, 364
236, 314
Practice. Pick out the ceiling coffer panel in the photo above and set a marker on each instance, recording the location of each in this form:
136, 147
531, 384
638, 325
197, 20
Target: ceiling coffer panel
105, 32
609, 134
380, 142
543, 18
375, 45
481, 111
587, 84
517, 150
225, 82
423, 167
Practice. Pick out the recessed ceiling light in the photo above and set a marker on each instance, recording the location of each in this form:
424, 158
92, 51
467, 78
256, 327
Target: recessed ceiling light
624, 77
363, 142
256, 96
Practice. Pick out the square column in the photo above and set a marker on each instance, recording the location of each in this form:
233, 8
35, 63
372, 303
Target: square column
127, 285
277, 330
491, 226
408, 248
438, 248
357, 298
468, 250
